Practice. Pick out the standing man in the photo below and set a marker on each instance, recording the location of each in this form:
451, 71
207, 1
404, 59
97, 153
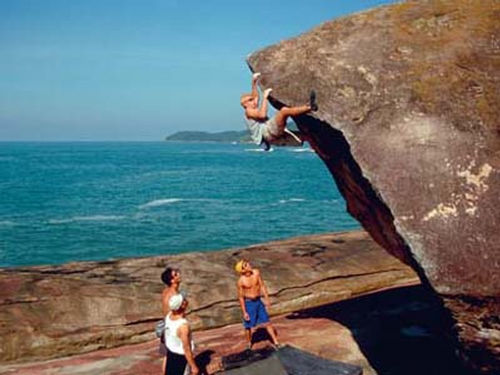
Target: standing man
171, 277
251, 288
264, 130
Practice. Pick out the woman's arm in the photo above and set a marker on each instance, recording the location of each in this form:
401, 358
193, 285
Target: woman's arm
185, 335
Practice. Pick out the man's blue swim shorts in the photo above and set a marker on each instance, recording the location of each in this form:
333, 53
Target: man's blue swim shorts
257, 312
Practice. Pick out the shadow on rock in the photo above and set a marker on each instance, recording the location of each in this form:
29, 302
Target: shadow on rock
399, 331
203, 359
260, 335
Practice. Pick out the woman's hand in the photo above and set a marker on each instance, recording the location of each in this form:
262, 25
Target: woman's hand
195, 370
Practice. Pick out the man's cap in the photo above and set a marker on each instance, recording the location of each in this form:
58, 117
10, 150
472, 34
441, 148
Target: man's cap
175, 302
238, 267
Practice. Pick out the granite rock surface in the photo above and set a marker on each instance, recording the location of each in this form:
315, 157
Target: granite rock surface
55, 311
396, 331
408, 125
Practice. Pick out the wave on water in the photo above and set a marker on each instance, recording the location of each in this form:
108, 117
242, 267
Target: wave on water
307, 149
292, 200
160, 202
6, 223
258, 150
87, 218
167, 201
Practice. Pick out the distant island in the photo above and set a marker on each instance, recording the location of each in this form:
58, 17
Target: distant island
242, 136
198, 136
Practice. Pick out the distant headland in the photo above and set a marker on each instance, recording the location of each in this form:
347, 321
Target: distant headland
229, 136
199, 136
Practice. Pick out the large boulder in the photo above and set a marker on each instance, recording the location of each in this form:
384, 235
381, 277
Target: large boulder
409, 126
53, 311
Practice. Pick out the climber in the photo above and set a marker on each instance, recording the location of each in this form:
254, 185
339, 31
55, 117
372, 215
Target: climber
264, 130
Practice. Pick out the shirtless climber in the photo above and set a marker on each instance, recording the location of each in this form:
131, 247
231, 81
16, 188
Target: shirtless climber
264, 130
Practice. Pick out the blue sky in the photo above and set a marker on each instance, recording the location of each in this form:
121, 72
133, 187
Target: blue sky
137, 70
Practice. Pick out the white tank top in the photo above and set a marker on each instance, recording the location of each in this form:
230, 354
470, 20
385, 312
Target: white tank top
172, 341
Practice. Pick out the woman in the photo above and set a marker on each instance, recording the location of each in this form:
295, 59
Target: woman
178, 338
171, 277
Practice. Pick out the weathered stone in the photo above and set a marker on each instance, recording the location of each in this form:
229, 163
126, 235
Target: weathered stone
397, 331
60, 310
409, 127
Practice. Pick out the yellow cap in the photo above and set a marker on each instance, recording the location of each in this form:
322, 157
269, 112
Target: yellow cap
239, 266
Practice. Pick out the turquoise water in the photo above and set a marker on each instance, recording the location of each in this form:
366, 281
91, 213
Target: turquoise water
62, 202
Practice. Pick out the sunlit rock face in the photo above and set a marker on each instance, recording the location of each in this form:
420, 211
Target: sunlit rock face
409, 126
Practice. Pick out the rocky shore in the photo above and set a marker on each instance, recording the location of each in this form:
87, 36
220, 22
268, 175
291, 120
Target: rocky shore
56, 311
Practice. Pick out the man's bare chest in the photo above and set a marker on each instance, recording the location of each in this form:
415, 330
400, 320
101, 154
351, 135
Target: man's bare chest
250, 282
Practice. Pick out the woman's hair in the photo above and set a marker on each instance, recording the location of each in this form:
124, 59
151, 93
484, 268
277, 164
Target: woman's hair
166, 276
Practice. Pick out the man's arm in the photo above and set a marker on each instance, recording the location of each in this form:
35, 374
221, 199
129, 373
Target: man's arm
261, 113
185, 336
241, 299
263, 290
263, 105
255, 90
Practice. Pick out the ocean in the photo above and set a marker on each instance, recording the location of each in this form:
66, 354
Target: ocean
65, 202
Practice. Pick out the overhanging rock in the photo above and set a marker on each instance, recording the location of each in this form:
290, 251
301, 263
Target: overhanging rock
409, 127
